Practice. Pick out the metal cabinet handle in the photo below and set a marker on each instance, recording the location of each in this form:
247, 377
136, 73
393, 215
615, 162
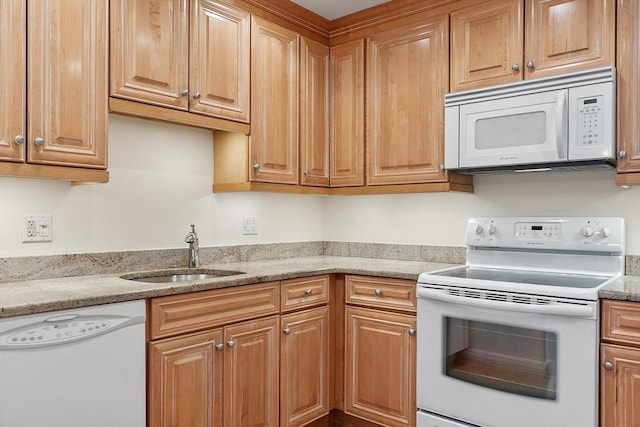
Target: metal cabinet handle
196, 95
515, 67
608, 366
39, 141
530, 65
412, 331
185, 92
219, 346
256, 167
308, 292
19, 139
306, 172
622, 154
286, 331
378, 292
231, 343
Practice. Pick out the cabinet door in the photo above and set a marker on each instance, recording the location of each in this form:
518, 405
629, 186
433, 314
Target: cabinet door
185, 381
562, 36
486, 44
149, 51
408, 75
273, 143
67, 82
251, 364
620, 386
219, 60
304, 366
628, 66
314, 113
380, 366
347, 114
13, 20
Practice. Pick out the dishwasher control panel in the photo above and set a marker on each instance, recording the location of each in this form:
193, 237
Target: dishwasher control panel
59, 330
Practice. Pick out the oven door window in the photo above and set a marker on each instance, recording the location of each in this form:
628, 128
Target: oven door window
511, 359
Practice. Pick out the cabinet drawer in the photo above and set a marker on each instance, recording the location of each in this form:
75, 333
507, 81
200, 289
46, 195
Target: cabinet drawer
621, 322
177, 314
381, 293
304, 292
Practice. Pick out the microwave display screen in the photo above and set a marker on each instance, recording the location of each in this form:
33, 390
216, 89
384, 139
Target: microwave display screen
536, 227
591, 101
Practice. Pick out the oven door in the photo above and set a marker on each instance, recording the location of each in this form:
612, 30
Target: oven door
513, 131
506, 363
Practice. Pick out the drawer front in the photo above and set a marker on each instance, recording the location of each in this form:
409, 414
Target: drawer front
621, 322
178, 314
377, 292
304, 292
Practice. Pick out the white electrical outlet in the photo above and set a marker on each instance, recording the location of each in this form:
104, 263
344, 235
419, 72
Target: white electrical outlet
249, 225
36, 228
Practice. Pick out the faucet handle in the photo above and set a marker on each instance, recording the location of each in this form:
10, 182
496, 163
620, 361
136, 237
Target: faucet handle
191, 236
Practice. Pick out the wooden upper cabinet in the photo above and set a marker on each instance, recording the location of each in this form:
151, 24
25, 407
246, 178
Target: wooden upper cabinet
273, 143
407, 78
67, 82
498, 42
487, 44
314, 113
628, 81
568, 35
150, 51
13, 81
347, 114
219, 60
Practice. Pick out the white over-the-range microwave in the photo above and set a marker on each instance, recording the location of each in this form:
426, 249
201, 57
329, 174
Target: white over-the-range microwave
566, 121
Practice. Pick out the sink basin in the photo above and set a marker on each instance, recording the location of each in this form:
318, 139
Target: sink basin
179, 276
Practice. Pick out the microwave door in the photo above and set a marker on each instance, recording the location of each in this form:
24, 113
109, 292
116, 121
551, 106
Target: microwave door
517, 130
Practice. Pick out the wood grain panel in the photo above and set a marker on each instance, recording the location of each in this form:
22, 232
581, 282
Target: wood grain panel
379, 292
620, 387
13, 85
306, 292
621, 322
175, 314
67, 82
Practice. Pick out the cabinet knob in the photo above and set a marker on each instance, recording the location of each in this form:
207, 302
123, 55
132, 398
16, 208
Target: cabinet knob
39, 141
308, 292
219, 346
231, 343
185, 92
608, 366
515, 67
622, 154
256, 167
412, 331
378, 292
306, 172
530, 65
19, 139
196, 95
286, 331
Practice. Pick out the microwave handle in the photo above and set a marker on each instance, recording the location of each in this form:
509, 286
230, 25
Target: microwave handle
561, 124
558, 310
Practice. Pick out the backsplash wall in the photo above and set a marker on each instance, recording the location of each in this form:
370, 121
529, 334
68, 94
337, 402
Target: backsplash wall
161, 178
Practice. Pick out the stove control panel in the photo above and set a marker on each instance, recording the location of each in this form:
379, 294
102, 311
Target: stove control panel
593, 234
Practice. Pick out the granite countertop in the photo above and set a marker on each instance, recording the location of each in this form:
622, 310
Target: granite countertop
36, 296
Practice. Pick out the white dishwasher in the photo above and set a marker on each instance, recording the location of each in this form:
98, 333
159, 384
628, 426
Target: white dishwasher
74, 368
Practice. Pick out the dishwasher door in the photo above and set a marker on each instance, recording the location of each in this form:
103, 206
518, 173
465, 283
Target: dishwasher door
74, 368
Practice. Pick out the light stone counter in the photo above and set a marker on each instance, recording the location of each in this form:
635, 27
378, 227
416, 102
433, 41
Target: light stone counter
35, 296
626, 288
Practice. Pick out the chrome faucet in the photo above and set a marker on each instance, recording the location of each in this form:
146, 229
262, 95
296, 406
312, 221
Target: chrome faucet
194, 249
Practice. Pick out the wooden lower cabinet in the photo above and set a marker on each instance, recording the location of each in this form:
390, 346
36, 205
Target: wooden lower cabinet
304, 366
380, 366
620, 386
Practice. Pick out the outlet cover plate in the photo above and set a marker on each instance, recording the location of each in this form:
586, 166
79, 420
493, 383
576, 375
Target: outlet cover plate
249, 225
36, 228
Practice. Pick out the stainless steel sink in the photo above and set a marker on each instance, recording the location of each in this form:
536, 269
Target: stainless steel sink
179, 276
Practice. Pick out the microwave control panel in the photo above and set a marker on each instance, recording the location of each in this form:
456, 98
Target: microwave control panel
590, 119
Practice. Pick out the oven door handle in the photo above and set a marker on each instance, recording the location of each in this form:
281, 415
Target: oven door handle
558, 310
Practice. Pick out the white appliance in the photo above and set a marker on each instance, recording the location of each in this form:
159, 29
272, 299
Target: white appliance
74, 368
511, 338
566, 121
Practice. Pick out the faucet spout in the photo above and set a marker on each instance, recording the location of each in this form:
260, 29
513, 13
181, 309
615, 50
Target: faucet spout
194, 248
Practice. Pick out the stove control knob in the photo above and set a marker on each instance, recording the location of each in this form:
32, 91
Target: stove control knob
478, 229
587, 231
605, 231
491, 229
